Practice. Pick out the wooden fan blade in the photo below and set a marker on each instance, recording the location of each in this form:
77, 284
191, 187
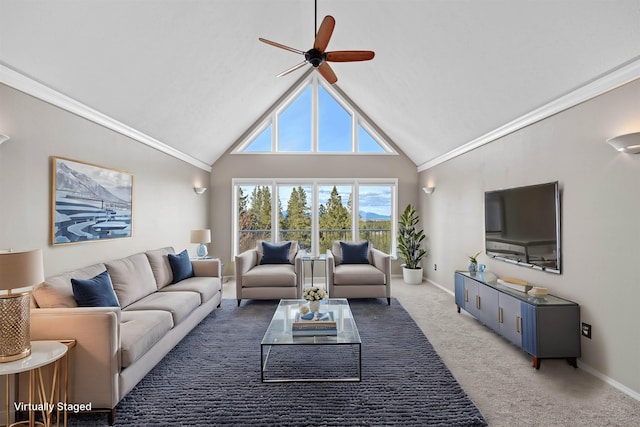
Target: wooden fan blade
324, 33
350, 55
281, 46
292, 69
325, 70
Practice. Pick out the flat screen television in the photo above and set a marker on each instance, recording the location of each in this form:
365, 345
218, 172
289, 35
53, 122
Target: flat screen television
522, 226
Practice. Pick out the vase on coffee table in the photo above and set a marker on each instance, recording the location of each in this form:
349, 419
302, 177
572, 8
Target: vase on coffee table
314, 306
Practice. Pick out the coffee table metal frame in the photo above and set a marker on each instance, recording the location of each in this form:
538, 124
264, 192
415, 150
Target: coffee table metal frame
279, 334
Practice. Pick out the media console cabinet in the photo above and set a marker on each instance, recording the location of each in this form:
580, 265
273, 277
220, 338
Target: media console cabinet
545, 327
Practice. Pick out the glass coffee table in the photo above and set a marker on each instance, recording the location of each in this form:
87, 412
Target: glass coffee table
288, 358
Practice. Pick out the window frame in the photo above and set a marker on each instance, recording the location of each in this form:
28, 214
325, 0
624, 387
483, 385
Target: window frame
315, 82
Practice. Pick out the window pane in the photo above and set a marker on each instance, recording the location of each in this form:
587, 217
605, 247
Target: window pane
254, 215
334, 124
374, 215
294, 211
294, 124
334, 214
262, 143
366, 143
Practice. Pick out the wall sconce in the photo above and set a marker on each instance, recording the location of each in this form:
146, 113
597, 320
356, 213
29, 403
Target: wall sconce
428, 190
3, 138
629, 143
199, 190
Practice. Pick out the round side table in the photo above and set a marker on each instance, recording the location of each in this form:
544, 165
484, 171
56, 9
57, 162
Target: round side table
43, 353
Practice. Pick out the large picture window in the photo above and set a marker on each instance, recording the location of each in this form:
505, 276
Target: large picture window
314, 212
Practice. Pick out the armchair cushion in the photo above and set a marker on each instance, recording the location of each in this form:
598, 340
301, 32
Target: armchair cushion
273, 253
355, 253
293, 250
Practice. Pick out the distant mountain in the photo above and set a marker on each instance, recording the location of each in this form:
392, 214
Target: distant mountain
68, 179
373, 216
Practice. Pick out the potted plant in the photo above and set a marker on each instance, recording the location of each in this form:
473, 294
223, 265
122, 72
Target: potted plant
410, 246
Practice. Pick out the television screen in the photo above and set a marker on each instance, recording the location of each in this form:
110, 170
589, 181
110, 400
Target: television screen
522, 226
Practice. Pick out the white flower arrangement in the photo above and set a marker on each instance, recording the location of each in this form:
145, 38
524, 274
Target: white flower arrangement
314, 293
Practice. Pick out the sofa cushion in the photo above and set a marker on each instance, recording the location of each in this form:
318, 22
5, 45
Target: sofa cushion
159, 262
355, 253
94, 292
132, 278
180, 266
141, 330
179, 304
358, 274
293, 250
270, 275
206, 287
56, 291
275, 253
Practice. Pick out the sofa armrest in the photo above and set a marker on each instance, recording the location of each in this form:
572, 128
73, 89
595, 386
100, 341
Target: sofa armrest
244, 262
95, 360
207, 267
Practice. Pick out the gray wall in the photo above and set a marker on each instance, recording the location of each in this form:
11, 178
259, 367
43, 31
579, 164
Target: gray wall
600, 196
298, 166
165, 207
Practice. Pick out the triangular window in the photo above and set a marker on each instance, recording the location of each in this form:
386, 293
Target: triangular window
314, 119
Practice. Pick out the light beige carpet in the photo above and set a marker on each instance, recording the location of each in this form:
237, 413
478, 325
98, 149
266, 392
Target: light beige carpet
499, 377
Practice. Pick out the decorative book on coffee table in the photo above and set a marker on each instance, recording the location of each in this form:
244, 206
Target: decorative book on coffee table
305, 325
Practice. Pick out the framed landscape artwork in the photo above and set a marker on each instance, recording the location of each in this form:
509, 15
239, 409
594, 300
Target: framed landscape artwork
89, 202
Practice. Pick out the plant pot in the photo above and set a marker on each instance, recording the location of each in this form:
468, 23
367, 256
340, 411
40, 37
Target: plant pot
412, 276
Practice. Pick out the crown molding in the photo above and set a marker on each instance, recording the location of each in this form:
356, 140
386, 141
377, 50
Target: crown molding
38, 90
620, 76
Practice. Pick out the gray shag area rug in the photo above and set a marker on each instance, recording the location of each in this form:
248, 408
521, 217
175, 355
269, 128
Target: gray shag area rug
212, 378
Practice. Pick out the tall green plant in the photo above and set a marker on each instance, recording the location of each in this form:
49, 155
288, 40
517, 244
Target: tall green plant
410, 239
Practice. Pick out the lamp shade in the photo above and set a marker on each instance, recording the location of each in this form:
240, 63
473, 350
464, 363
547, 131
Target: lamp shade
20, 269
201, 236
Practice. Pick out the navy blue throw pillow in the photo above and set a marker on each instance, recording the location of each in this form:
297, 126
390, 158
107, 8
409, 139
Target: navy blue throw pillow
275, 253
180, 266
355, 253
95, 292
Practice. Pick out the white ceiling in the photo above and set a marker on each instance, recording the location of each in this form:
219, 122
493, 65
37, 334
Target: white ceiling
193, 75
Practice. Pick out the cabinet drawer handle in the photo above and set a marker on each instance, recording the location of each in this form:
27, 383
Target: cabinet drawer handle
500, 315
466, 295
519, 324
478, 302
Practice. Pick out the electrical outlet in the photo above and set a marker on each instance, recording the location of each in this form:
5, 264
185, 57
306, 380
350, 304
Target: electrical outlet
435, 267
586, 330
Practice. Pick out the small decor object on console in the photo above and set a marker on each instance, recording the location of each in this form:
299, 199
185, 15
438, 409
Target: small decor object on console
473, 262
516, 284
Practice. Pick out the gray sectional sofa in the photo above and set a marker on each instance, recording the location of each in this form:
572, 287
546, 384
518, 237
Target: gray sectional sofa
117, 346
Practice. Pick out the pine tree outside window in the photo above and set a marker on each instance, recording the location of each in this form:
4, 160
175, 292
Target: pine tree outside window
315, 213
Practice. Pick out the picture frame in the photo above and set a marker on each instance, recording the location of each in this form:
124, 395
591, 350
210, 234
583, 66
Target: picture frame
89, 202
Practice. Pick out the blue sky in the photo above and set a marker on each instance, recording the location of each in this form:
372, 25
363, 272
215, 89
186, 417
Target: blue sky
335, 126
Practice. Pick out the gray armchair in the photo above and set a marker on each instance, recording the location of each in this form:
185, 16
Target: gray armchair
260, 276
369, 277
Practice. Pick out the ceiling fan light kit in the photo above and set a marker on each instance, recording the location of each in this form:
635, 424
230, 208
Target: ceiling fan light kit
317, 55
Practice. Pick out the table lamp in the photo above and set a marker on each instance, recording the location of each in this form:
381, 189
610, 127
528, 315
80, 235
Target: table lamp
19, 272
201, 237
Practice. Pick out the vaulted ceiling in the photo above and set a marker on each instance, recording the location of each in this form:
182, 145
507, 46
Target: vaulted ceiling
193, 75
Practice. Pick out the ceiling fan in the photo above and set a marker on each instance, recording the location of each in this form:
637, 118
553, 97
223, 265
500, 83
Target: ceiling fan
317, 55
